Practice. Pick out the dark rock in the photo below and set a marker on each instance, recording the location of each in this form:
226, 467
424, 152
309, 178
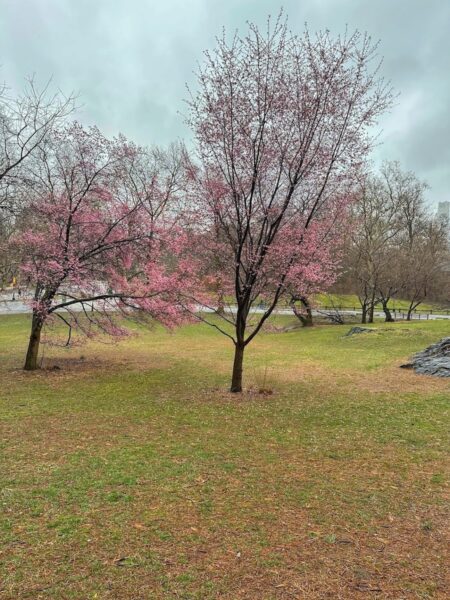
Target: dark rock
434, 360
355, 330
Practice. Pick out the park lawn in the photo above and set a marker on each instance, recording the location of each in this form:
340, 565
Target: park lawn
129, 472
352, 301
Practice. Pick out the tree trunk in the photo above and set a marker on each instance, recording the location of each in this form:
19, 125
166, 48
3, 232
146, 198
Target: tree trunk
220, 304
387, 312
305, 319
409, 315
308, 319
236, 380
33, 345
364, 313
372, 303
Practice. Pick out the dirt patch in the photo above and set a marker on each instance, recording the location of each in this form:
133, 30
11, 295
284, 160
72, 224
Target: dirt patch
388, 379
394, 380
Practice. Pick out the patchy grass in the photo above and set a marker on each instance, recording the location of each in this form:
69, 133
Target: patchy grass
130, 471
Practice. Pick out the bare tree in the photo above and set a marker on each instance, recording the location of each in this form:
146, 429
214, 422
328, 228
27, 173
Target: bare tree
26, 121
370, 258
424, 262
395, 247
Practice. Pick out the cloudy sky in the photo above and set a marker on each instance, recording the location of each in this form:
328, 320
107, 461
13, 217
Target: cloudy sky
130, 61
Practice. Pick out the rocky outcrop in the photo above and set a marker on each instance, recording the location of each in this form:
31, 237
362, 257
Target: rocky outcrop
355, 330
434, 360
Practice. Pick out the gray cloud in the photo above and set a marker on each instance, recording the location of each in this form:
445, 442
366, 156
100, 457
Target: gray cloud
130, 61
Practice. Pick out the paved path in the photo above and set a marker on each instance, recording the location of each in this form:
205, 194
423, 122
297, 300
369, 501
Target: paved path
9, 307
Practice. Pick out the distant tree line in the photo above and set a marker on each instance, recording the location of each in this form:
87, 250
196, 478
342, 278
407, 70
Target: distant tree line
395, 248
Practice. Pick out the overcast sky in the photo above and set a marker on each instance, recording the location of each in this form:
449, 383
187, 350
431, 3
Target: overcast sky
130, 61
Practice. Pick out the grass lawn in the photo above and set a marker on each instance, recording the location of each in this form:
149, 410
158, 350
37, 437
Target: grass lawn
351, 300
129, 472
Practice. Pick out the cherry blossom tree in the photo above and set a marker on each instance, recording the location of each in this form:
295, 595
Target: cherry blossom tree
99, 244
313, 271
282, 125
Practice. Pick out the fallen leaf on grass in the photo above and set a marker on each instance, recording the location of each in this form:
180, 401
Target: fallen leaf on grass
125, 561
362, 587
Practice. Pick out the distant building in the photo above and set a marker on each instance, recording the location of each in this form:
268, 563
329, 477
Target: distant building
443, 211
443, 215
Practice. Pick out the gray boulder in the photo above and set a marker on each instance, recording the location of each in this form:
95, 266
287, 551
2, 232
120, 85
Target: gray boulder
434, 360
355, 330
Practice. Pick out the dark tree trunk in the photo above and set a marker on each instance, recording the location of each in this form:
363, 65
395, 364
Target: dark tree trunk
236, 380
306, 319
389, 318
364, 315
371, 307
33, 344
239, 347
364, 312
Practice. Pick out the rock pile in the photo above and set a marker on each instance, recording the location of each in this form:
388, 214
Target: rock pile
434, 360
355, 330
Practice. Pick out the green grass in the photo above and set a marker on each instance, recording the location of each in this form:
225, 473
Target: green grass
131, 472
352, 301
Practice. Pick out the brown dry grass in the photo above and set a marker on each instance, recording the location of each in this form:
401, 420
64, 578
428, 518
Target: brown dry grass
132, 474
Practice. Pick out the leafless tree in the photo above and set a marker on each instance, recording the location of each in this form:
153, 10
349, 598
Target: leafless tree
26, 121
395, 247
369, 259
423, 264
